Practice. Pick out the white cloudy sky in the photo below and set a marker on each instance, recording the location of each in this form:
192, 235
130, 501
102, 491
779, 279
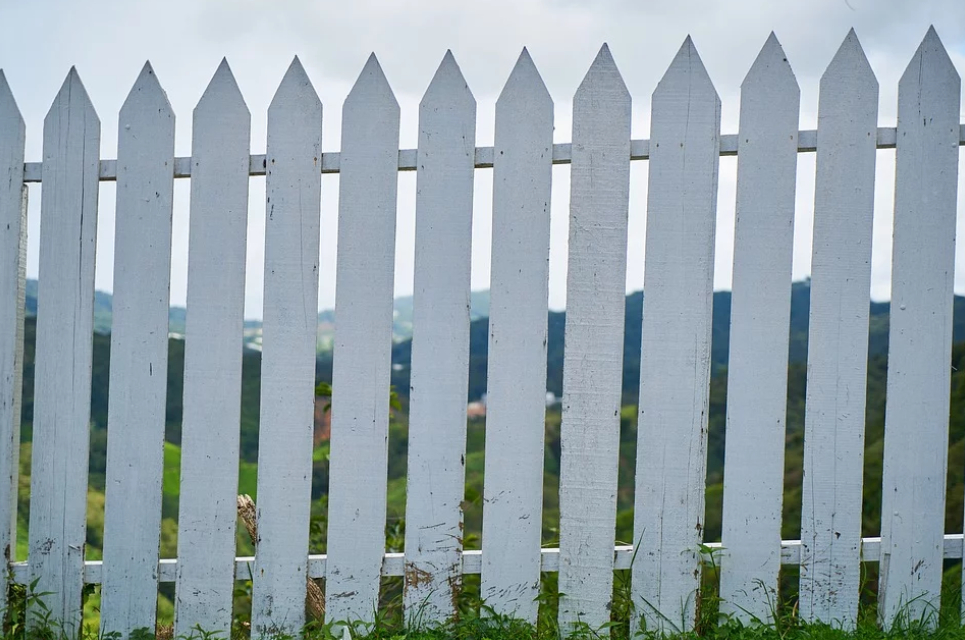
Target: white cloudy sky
109, 40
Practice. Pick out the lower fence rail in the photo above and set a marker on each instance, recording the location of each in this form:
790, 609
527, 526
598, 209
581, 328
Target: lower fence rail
394, 563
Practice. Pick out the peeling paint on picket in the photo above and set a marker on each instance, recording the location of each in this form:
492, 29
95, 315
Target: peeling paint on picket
516, 384
65, 318
139, 357
292, 201
13, 263
593, 360
759, 318
358, 465
675, 359
210, 430
834, 420
440, 348
920, 339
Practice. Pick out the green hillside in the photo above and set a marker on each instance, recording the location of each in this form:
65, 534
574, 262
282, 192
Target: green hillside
797, 352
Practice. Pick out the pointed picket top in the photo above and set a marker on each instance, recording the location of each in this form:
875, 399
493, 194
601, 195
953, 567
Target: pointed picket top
373, 87
8, 105
448, 86
525, 85
930, 69
850, 68
72, 96
687, 73
771, 71
295, 90
222, 95
603, 75
146, 92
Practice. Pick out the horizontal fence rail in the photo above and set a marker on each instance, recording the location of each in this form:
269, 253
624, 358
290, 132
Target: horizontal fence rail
807, 142
393, 564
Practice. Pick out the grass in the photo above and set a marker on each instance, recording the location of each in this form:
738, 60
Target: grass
476, 621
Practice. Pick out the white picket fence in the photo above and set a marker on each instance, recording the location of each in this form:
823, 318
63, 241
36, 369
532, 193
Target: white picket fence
683, 153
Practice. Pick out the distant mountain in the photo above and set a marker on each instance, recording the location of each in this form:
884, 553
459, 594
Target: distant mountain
402, 325
103, 307
720, 346
325, 339
479, 335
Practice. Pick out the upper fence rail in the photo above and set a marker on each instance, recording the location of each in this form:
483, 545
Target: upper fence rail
807, 142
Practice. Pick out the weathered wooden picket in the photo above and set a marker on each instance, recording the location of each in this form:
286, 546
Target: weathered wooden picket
683, 153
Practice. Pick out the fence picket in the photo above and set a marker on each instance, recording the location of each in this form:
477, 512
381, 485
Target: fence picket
13, 253
516, 386
440, 346
919, 376
290, 321
139, 357
210, 428
759, 326
675, 344
838, 339
593, 360
65, 317
368, 187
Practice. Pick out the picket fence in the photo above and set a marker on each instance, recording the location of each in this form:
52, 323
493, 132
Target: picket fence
683, 153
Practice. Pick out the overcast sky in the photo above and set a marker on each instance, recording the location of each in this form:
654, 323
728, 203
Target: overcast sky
109, 40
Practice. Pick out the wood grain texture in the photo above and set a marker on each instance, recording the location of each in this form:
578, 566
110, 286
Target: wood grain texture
210, 428
516, 383
440, 347
834, 419
920, 339
139, 357
593, 359
368, 187
61, 426
292, 221
759, 325
13, 254
675, 343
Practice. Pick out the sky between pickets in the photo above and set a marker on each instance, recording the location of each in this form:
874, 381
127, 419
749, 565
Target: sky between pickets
109, 41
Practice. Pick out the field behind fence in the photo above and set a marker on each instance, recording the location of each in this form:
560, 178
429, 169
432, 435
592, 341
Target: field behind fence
683, 154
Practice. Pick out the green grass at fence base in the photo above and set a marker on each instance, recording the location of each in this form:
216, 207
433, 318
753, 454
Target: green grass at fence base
475, 620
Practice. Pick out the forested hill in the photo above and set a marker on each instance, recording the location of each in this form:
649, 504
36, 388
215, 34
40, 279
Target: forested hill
479, 345
800, 304
250, 408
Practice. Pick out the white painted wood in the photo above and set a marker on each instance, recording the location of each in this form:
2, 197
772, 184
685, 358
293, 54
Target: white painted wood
13, 254
65, 308
593, 360
759, 324
139, 357
838, 340
440, 347
919, 375
292, 206
368, 187
675, 343
516, 387
212, 358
